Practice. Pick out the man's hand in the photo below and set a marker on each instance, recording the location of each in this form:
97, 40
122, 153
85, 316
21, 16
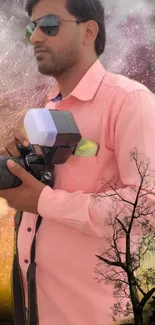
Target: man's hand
26, 196
11, 147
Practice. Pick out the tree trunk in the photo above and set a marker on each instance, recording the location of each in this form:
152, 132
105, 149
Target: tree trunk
137, 310
138, 317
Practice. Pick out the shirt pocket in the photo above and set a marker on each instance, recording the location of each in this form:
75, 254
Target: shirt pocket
78, 173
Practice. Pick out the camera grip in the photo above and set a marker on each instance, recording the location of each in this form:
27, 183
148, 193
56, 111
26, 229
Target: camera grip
7, 179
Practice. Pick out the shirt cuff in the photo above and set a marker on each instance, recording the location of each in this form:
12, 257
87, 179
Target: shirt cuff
43, 207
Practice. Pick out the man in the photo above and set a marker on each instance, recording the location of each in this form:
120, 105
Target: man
116, 113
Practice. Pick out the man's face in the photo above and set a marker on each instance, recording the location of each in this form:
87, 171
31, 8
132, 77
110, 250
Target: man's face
56, 54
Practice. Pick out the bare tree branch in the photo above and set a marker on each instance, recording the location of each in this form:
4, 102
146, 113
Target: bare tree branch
123, 262
147, 296
118, 264
122, 225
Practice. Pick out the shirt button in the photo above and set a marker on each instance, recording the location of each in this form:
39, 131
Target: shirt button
29, 229
26, 261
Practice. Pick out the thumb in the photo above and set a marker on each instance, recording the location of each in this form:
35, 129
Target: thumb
18, 171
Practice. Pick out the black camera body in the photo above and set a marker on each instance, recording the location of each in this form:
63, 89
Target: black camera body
40, 160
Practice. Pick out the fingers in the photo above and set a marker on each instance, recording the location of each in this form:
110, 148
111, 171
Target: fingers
4, 152
11, 147
21, 138
19, 172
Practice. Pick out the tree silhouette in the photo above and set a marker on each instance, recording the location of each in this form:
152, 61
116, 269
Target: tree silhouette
151, 320
130, 236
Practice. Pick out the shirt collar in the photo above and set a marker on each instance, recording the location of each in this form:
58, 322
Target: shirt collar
88, 85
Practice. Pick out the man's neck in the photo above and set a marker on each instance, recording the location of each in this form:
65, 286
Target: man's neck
68, 81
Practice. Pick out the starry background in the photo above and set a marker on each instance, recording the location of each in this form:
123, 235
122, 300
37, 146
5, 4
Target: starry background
130, 50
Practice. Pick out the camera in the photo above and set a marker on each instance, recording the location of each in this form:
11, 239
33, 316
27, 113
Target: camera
53, 137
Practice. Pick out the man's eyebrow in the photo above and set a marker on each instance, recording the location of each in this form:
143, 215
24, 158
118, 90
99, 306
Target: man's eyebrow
51, 14
32, 20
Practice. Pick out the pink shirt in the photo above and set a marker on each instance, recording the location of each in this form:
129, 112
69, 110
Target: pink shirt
118, 114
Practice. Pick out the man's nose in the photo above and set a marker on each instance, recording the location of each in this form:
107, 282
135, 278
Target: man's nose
37, 36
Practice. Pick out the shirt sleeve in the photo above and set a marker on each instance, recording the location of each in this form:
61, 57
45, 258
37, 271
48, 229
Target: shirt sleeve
134, 128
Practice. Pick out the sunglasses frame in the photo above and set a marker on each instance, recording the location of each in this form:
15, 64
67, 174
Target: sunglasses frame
58, 20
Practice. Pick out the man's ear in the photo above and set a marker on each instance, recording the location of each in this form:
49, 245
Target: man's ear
91, 32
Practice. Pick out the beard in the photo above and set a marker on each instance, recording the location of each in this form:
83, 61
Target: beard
55, 65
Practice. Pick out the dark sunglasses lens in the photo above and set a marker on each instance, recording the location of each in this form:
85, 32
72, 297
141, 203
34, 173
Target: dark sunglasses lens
49, 25
50, 30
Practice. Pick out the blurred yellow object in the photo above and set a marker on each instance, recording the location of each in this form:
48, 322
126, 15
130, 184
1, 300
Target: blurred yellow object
86, 148
3, 208
6, 256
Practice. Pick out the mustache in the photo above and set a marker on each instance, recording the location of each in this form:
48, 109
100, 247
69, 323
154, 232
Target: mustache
41, 48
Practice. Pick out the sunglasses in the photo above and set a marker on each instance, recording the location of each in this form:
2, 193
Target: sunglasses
49, 25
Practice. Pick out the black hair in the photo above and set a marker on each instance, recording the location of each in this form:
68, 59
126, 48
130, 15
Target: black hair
83, 10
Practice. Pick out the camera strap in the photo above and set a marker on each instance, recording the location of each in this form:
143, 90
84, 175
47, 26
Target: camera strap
21, 316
